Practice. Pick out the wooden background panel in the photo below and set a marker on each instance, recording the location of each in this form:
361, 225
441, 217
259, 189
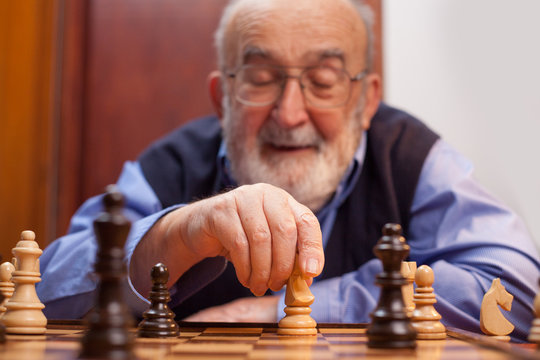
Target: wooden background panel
147, 66
70, 137
133, 71
27, 120
86, 85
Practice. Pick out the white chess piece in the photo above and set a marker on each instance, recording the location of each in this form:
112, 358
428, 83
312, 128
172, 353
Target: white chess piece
425, 319
24, 313
408, 270
298, 298
6, 285
534, 334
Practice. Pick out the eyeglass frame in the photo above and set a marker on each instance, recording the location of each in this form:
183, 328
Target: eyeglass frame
286, 77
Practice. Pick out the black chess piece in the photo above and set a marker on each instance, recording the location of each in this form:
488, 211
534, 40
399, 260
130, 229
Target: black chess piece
158, 320
108, 335
390, 326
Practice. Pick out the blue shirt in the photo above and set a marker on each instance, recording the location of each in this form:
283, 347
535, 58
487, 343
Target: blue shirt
466, 236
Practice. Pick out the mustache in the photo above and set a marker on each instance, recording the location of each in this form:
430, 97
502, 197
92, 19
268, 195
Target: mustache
296, 137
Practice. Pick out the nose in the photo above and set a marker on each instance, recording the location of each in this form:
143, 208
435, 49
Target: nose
290, 110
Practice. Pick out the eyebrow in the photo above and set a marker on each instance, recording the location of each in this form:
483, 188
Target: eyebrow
331, 53
255, 51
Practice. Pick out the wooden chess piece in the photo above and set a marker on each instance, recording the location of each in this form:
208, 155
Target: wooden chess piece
2, 327
6, 285
425, 319
492, 321
158, 320
390, 326
108, 335
24, 313
534, 333
298, 298
408, 269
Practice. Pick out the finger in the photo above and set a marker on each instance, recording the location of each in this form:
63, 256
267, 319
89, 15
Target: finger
226, 226
254, 223
284, 233
309, 241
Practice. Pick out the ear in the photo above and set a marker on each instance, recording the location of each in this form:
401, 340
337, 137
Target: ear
216, 91
372, 85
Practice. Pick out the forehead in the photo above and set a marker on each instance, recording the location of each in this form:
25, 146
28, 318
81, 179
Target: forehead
296, 32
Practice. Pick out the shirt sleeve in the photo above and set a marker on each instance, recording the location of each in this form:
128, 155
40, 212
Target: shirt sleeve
67, 265
467, 237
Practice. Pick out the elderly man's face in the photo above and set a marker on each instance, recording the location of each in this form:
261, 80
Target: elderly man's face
292, 144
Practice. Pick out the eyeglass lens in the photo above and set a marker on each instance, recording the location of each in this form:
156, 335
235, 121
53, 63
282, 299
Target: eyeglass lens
262, 85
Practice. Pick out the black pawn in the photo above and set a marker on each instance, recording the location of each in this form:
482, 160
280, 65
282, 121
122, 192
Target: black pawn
158, 320
108, 335
390, 326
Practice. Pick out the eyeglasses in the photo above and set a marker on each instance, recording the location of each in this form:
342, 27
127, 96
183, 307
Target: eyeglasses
322, 86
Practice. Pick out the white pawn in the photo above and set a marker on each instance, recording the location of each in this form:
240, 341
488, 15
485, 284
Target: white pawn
6, 285
24, 313
534, 333
425, 319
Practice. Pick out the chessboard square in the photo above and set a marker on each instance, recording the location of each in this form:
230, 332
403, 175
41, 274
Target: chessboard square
228, 339
212, 356
23, 338
393, 354
32, 353
189, 334
348, 349
67, 338
306, 353
342, 331
62, 345
292, 340
61, 332
347, 340
160, 341
426, 344
292, 347
151, 352
204, 348
232, 330
270, 335
276, 336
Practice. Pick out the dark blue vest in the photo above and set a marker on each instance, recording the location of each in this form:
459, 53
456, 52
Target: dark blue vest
182, 168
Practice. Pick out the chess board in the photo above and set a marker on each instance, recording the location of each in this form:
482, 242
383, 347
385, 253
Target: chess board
260, 341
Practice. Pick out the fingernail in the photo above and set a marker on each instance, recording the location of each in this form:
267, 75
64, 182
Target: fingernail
312, 266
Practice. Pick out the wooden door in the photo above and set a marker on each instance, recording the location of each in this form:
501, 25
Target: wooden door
105, 78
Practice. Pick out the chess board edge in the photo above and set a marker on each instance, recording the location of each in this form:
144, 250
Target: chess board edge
485, 341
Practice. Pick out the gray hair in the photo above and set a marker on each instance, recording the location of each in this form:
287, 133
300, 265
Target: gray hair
363, 9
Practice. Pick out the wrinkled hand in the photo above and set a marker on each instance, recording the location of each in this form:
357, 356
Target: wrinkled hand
259, 228
250, 309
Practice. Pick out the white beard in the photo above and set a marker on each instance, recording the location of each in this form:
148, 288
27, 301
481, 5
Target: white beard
312, 179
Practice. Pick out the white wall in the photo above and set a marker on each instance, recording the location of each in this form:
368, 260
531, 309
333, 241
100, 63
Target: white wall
471, 71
